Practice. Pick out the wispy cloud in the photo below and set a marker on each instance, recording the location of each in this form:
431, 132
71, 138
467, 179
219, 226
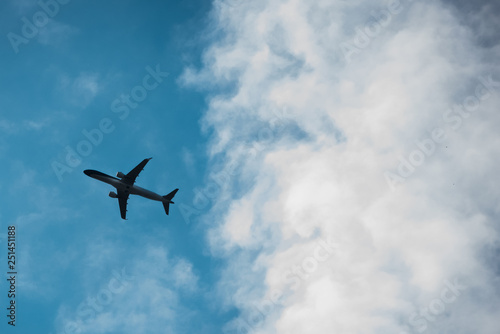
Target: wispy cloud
80, 90
189, 160
144, 296
11, 127
55, 33
24, 6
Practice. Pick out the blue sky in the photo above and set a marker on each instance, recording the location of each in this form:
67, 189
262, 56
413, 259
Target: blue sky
336, 162
62, 82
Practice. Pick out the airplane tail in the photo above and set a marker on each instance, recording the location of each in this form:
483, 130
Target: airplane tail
166, 206
168, 199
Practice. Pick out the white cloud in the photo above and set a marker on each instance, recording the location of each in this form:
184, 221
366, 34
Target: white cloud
189, 160
143, 297
55, 33
82, 89
10, 127
321, 177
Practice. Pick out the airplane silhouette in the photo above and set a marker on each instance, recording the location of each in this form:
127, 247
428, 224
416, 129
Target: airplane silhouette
124, 185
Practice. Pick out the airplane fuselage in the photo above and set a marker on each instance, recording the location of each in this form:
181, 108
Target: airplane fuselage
123, 186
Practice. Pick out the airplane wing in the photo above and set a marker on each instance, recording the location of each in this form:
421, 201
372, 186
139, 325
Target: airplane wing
122, 200
132, 175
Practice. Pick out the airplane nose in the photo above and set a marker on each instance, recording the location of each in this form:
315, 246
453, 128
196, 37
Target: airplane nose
87, 172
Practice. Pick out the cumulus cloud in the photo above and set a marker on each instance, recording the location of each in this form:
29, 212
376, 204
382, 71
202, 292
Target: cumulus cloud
366, 135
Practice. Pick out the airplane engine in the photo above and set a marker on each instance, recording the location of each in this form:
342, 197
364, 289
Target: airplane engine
120, 175
112, 194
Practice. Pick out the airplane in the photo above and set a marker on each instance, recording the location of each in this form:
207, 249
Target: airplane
124, 185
